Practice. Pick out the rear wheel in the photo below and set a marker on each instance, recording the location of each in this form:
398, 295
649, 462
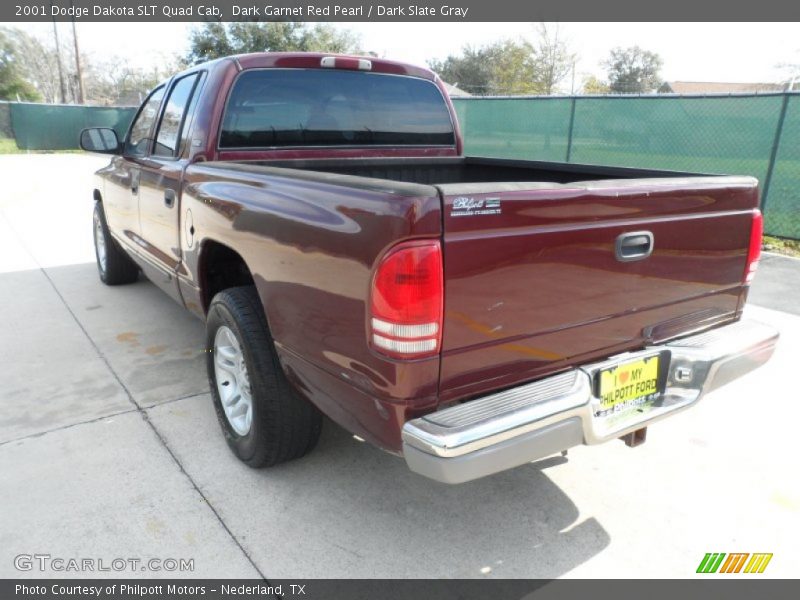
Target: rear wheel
114, 266
264, 422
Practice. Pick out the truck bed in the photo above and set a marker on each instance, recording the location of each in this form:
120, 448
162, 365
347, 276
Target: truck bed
533, 284
467, 170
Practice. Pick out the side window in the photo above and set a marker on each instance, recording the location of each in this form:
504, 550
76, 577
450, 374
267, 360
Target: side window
168, 129
189, 117
137, 142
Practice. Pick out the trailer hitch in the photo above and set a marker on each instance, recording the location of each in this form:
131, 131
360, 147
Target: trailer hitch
635, 438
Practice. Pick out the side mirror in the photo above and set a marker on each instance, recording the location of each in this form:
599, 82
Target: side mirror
99, 139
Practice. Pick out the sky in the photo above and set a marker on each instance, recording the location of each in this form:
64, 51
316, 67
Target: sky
739, 52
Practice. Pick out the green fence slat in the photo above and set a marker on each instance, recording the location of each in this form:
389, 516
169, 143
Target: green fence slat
782, 206
715, 134
513, 128
57, 127
732, 135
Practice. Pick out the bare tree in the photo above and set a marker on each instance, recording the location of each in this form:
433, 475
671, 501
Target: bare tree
791, 72
553, 60
107, 81
38, 63
113, 81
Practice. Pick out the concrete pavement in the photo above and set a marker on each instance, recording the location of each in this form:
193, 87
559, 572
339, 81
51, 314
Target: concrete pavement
109, 447
778, 283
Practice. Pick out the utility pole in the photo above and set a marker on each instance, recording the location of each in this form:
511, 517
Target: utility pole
58, 60
78, 71
572, 86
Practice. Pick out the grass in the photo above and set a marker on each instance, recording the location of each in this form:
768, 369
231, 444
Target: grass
8, 146
782, 246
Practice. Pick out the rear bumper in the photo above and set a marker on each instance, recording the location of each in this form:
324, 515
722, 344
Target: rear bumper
510, 428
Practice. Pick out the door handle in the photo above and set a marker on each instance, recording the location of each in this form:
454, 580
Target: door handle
635, 245
169, 197
135, 175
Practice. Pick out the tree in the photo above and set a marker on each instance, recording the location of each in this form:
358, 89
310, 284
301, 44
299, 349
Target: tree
39, 63
791, 72
513, 68
114, 82
214, 40
553, 60
506, 67
471, 70
110, 81
13, 84
633, 70
592, 85
510, 66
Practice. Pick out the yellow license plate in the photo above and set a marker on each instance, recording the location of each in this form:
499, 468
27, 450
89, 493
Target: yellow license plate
629, 384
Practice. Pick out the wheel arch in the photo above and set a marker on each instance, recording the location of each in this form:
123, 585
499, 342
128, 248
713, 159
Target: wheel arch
220, 267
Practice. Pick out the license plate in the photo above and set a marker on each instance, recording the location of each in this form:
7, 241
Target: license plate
629, 384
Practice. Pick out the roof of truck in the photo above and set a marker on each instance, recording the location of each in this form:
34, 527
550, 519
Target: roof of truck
313, 60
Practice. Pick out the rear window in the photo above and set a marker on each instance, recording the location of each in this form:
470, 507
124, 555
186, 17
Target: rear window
315, 107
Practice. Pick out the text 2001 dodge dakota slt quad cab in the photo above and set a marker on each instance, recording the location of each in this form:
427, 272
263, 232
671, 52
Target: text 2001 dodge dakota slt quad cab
470, 314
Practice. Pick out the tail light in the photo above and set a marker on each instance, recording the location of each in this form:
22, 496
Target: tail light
754, 251
406, 301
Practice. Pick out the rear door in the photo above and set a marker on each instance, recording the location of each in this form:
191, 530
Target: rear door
160, 186
540, 277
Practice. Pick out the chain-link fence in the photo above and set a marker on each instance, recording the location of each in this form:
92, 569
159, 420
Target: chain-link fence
58, 126
5, 121
756, 135
782, 198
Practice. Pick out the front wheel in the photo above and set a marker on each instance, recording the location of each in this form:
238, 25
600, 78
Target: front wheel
113, 265
263, 421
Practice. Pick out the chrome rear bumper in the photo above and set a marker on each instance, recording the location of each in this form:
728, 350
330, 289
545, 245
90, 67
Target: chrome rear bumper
510, 428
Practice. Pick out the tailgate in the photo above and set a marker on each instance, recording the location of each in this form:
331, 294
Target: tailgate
535, 282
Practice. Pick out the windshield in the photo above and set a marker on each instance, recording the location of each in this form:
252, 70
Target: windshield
315, 107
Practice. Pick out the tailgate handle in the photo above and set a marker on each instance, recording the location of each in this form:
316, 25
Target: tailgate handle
635, 245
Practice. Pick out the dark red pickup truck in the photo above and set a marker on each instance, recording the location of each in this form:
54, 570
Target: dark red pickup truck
471, 314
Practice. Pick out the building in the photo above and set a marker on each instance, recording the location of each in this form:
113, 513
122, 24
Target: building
455, 92
717, 87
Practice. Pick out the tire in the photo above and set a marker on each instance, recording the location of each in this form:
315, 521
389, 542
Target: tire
114, 266
281, 425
